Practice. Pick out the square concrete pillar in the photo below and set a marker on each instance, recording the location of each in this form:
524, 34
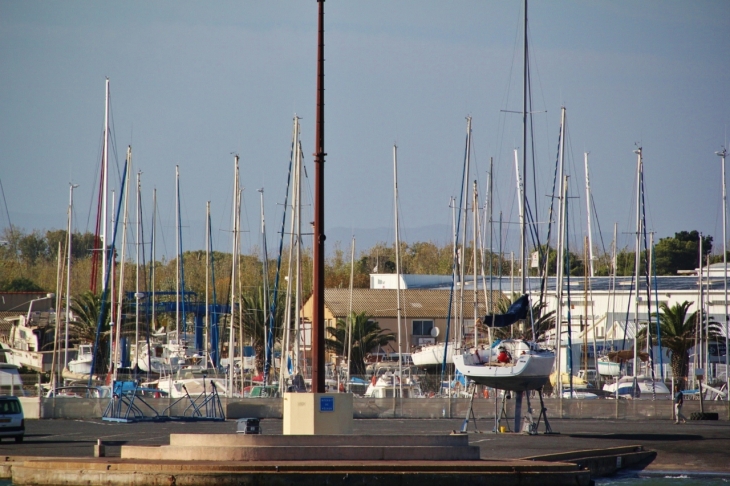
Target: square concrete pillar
317, 413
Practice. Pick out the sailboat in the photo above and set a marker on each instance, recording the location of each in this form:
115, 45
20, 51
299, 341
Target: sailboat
442, 353
636, 385
529, 365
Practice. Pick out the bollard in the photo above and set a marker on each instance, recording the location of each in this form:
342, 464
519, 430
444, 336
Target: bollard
99, 449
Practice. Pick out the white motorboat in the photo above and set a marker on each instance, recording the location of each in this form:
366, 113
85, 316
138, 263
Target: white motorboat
529, 369
28, 340
82, 364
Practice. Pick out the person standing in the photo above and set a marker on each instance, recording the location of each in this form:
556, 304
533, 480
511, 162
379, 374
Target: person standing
678, 402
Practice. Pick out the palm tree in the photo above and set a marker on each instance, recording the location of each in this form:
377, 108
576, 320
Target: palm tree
678, 335
256, 320
366, 336
86, 309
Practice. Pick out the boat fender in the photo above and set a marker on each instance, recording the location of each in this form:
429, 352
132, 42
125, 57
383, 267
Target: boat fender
486, 392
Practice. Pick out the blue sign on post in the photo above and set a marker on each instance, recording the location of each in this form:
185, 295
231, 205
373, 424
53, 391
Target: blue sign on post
326, 404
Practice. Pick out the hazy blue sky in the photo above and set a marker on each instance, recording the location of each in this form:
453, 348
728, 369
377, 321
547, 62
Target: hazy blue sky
192, 82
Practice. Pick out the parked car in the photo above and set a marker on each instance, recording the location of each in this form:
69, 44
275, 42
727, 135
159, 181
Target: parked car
12, 421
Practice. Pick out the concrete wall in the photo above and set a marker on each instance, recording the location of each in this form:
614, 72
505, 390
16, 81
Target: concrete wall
408, 408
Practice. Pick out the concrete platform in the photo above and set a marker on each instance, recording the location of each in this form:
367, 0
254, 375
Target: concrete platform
241, 447
115, 472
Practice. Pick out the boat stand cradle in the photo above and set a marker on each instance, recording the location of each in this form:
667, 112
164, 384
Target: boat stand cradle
529, 426
126, 406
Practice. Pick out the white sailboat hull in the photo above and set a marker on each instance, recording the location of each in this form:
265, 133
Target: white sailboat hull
647, 387
608, 368
433, 355
529, 371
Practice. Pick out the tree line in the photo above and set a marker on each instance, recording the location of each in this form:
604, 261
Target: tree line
28, 262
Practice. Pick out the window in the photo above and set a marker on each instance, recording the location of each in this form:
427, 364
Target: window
422, 328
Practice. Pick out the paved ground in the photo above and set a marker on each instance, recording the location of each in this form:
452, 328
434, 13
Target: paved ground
697, 446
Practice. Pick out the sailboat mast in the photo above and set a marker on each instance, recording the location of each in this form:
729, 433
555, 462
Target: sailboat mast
561, 165
122, 261
475, 216
177, 250
465, 200
285, 354
523, 199
265, 281
397, 269
588, 212
68, 270
137, 295
152, 263
105, 184
298, 293
349, 310
637, 267
234, 256
491, 241
207, 280
722, 154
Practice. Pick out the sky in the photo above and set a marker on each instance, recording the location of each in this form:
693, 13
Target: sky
194, 82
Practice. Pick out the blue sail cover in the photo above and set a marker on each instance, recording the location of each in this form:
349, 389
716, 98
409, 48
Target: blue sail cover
517, 311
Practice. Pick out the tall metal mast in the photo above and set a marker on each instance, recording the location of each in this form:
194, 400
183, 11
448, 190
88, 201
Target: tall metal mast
588, 209
397, 271
179, 254
523, 225
234, 257
105, 184
137, 294
722, 154
318, 385
207, 282
637, 267
68, 271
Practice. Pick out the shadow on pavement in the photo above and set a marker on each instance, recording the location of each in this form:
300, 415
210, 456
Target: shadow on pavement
640, 437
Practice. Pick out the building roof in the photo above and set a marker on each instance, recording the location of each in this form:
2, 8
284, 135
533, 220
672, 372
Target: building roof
414, 302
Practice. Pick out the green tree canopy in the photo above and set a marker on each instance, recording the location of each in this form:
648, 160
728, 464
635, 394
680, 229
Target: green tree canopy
20, 284
680, 252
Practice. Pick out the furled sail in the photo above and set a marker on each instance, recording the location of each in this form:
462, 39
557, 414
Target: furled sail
517, 311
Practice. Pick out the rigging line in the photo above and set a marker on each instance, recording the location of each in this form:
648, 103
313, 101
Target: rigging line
108, 255
5, 202
274, 300
648, 282
570, 320
545, 256
600, 233
113, 135
99, 153
455, 264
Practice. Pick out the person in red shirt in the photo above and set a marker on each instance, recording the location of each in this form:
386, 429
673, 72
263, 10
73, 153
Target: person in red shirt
503, 356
